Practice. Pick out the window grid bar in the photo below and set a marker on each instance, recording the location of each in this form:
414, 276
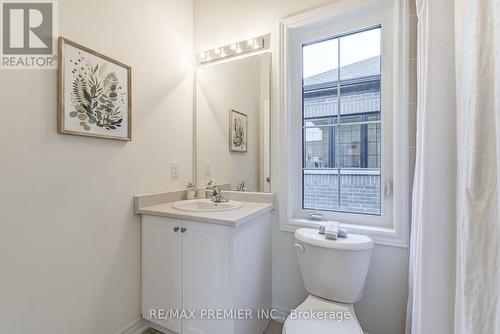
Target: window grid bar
369, 113
339, 163
341, 124
343, 168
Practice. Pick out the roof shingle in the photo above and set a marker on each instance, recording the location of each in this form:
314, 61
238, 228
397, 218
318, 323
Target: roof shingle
365, 68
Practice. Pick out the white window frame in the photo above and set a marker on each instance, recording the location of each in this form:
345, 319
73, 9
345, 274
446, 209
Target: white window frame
342, 17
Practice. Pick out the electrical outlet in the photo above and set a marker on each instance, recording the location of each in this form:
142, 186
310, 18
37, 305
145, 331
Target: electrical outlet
174, 170
208, 168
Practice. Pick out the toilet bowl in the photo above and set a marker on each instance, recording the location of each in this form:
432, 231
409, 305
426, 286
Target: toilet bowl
334, 273
320, 316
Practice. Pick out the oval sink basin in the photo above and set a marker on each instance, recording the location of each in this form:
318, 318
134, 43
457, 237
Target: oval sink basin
205, 205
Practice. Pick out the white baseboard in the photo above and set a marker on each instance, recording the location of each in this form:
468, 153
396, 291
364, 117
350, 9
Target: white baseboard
137, 327
160, 328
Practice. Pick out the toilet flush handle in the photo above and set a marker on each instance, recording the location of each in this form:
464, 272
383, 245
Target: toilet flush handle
299, 246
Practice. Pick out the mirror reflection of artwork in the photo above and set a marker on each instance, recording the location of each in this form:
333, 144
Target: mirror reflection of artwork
243, 85
238, 131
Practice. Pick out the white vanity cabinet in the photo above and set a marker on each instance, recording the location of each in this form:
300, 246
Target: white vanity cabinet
161, 269
189, 265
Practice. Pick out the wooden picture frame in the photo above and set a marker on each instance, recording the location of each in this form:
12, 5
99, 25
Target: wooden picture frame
97, 102
238, 131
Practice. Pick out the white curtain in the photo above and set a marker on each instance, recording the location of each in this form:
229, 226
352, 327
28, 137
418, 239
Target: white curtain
455, 218
477, 301
432, 246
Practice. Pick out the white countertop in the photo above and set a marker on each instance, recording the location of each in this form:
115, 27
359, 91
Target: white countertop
236, 217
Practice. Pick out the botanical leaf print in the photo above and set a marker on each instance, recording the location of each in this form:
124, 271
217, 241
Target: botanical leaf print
97, 96
238, 133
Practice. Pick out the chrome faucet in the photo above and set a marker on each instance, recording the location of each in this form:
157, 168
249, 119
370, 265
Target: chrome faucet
242, 186
217, 196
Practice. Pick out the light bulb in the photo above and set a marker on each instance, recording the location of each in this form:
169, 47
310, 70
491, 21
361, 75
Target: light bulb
234, 46
217, 52
203, 56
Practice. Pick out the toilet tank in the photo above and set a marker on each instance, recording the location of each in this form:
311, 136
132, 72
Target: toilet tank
333, 269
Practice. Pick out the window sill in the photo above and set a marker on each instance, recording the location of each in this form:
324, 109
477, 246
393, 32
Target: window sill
380, 235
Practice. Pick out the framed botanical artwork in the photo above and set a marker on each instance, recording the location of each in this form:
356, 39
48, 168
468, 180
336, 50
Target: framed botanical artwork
238, 131
94, 94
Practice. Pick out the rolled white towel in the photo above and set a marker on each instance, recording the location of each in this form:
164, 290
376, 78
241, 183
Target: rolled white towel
343, 232
332, 230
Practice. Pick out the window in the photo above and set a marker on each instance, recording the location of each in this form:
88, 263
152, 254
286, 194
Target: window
344, 118
341, 108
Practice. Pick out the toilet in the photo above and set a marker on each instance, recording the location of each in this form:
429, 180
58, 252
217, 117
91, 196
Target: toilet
334, 273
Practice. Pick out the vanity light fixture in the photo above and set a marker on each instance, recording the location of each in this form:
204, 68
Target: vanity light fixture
234, 49
253, 43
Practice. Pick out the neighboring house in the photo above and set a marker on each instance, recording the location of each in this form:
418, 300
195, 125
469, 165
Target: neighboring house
355, 148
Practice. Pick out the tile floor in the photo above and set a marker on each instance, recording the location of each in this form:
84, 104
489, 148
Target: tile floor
274, 327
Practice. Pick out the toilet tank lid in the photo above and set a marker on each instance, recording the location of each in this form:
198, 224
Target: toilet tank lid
353, 242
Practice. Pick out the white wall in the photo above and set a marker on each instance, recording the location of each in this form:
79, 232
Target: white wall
219, 88
69, 242
382, 310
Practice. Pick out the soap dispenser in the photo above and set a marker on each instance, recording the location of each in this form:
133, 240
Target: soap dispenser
191, 191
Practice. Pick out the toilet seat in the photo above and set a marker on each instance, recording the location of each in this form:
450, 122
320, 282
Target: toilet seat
315, 306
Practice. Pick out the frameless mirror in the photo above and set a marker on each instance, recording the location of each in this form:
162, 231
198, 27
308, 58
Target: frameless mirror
233, 122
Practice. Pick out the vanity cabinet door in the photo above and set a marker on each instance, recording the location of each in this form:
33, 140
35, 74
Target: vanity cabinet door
206, 253
161, 269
